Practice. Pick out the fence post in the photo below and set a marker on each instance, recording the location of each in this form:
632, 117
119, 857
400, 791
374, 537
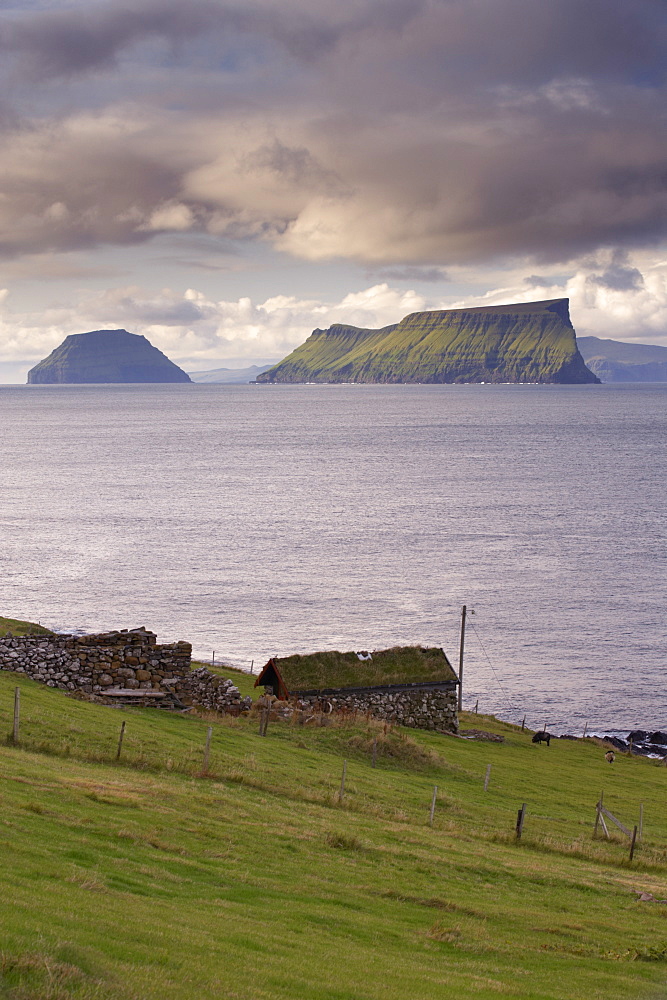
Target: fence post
476, 706
120, 739
632, 844
487, 776
207, 749
519, 821
341, 794
585, 731
375, 752
17, 713
641, 822
435, 795
597, 815
213, 659
252, 666
523, 723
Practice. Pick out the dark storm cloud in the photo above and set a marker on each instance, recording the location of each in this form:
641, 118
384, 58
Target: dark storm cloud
618, 275
407, 133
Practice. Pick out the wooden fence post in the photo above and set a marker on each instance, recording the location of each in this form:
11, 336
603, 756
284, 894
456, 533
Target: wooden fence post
213, 659
17, 713
432, 814
632, 844
375, 752
252, 666
523, 723
341, 794
598, 815
476, 706
120, 739
207, 749
585, 731
521, 815
487, 776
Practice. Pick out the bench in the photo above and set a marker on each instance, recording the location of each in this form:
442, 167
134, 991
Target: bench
132, 693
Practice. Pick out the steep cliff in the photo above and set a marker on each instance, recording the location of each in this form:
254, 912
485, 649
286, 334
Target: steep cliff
616, 361
525, 342
106, 356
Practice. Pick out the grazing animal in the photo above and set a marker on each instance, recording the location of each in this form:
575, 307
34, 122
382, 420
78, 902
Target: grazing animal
542, 737
610, 756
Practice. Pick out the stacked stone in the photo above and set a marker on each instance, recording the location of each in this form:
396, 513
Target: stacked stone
425, 708
211, 691
94, 663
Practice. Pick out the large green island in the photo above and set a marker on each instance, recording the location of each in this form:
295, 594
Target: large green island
524, 342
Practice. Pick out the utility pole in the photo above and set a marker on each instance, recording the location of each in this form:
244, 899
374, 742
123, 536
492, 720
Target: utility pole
461, 645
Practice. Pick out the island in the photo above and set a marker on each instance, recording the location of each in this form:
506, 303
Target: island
103, 356
523, 342
617, 361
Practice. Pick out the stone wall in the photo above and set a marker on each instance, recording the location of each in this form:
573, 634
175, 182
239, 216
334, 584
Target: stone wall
94, 663
421, 708
208, 690
108, 661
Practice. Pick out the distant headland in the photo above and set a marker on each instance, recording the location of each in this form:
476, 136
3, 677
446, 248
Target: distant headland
523, 342
103, 356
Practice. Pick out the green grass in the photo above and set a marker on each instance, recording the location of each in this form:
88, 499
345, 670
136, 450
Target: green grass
244, 681
12, 626
143, 879
332, 669
522, 342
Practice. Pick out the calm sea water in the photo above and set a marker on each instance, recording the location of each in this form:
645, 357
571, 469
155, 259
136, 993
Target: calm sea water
262, 520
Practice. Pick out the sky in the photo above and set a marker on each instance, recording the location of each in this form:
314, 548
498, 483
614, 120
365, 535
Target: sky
224, 177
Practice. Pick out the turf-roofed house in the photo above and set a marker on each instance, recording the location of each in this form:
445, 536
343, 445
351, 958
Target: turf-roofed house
411, 685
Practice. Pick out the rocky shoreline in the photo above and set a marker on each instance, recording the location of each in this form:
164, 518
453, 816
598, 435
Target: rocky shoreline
643, 742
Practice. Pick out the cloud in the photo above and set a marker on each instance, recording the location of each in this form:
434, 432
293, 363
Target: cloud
399, 133
195, 327
199, 331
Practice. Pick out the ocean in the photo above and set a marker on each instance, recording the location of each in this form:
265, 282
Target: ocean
266, 520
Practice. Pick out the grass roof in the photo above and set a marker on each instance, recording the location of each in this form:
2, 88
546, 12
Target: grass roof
331, 669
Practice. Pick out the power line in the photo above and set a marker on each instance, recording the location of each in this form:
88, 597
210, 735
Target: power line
510, 705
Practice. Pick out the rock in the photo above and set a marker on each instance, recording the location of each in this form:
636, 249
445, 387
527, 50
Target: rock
659, 738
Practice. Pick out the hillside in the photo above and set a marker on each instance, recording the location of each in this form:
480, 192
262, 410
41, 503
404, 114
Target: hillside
616, 361
525, 342
104, 356
141, 878
14, 626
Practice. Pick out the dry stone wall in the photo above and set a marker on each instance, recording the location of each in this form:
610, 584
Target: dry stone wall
94, 663
420, 708
108, 661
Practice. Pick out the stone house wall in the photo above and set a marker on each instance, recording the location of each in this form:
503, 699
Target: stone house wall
126, 659
420, 708
93, 663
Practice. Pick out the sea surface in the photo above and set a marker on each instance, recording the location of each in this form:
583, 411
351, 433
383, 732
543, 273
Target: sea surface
266, 520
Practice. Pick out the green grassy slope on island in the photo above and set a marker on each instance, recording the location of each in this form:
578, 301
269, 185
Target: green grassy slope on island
13, 626
143, 879
523, 342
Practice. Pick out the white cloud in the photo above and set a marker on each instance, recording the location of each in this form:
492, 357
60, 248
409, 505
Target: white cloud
194, 328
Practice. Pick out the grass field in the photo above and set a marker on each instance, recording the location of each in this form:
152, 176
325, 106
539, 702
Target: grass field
13, 626
142, 878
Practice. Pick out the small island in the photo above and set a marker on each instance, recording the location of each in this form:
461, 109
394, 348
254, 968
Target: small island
524, 342
105, 356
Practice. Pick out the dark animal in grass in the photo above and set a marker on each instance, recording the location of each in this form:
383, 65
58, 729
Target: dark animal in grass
542, 737
610, 756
